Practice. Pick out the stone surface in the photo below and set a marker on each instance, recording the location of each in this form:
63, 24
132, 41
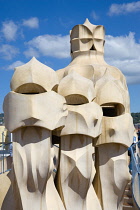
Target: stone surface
84, 111
31, 78
32, 140
77, 171
4, 186
47, 110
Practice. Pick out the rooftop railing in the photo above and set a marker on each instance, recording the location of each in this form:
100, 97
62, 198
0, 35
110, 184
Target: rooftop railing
135, 166
5, 151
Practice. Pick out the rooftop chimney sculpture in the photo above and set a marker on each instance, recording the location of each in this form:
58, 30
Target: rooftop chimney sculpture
84, 110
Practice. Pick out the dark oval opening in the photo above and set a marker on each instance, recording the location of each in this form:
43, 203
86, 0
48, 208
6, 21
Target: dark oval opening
112, 109
76, 99
30, 88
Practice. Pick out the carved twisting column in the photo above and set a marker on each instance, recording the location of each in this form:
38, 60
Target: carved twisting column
31, 118
77, 169
116, 136
32, 172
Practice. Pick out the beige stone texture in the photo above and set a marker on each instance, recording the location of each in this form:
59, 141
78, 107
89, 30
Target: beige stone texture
47, 110
119, 129
118, 95
84, 109
87, 36
4, 186
32, 138
112, 175
81, 90
77, 172
34, 173
84, 71
87, 49
31, 77
82, 123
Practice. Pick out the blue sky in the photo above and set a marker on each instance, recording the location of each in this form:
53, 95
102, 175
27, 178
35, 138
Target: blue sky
41, 28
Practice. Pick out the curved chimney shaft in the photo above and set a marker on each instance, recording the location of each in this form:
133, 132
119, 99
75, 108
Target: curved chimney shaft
31, 115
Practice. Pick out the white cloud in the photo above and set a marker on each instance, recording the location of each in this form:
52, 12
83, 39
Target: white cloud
9, 30
120, 51
7, 51
94, 15
124, 53
31, 23
49, 45
31, 52
15, 64
117, 9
